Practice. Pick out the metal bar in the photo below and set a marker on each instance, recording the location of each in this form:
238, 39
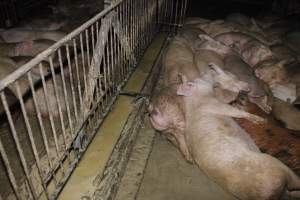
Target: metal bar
18, 145
8, 169
31, 138
40, 57
65, 93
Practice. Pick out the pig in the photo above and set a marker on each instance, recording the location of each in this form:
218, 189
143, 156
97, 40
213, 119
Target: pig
166, 116
203, 59
226, 153
219, 27
287, 114
209, 43
292, 40
52, 101
166, 112
20, 35
43, 24
259, 92
272, 71
277, 30
8, 66
283, 52
28, 48
236, 39
275, 74
254, 52
216, 27
178, 59
22, 60
239, 18
190, 35
15, 48
195, 21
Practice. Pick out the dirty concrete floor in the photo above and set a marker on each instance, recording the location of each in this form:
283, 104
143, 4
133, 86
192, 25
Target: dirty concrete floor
167, 176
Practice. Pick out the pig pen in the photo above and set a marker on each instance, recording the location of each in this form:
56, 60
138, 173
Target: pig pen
75, 126
52, 106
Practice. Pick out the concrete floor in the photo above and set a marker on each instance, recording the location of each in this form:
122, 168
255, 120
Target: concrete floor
167, 175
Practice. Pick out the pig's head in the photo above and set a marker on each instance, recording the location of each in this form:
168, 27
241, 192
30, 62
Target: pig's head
272, 72
227, 80
165, 111
256, 52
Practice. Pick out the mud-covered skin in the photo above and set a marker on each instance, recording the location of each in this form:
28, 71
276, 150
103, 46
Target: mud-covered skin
255, 52
272, 71
21, 35
225, 152
257, 94
287, 114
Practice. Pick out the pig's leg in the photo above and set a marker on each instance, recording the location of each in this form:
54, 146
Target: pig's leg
228, 110
183, 146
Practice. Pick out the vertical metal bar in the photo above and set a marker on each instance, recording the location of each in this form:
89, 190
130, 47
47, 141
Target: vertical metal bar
8, 169
64, 87
87, 47
18, 145
49, 109
176, 18
113, 71
93, 39
83, 61
41, 124
72, 83
31, 138
77, 73
58, 104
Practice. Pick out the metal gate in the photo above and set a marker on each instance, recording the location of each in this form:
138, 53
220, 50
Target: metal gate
52, 106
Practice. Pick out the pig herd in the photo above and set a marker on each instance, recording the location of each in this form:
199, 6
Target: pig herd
212, 71
20, 44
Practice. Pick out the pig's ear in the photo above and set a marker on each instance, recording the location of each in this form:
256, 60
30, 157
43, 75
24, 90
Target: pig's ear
182, 78
257, 73
216, 68
185, 89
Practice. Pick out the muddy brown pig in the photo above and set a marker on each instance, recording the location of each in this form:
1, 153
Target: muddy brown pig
178, 59
258, 90
226, 153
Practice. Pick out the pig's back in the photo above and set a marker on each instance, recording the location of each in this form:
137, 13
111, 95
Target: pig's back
228, 155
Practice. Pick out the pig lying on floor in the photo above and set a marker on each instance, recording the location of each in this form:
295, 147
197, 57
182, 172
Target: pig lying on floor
225, 152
